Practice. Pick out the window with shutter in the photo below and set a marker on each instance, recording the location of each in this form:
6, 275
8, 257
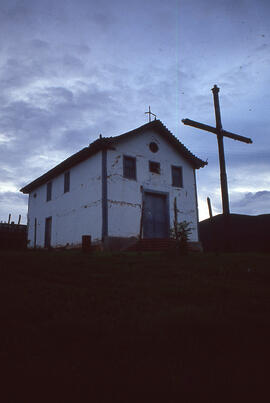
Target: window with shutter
66, 182
129, 167
49, 191
177, 176
154, 167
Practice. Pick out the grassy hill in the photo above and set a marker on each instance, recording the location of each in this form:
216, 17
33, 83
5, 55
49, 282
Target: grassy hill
122, 322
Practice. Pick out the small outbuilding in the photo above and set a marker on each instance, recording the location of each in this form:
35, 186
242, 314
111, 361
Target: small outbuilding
118, 189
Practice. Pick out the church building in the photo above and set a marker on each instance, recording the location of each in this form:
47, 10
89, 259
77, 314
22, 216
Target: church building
117, 190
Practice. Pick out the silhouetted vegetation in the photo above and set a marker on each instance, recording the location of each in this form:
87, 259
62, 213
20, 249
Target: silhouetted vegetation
181, 233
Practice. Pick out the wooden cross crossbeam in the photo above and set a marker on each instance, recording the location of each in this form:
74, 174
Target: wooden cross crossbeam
215, 131
220, 133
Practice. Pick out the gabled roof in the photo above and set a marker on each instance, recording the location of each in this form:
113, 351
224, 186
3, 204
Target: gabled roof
159, 127
108, 143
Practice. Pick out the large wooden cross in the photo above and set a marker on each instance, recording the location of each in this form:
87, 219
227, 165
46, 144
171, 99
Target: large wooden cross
220, 134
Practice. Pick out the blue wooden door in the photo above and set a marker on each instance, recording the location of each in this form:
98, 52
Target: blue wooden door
155, 216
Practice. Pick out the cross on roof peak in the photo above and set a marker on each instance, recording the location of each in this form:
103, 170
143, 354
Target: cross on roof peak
150, 113
215, 88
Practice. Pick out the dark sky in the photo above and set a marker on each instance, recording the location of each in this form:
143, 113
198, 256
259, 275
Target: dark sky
71, 70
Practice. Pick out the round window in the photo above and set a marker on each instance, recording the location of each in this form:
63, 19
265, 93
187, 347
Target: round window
153, 147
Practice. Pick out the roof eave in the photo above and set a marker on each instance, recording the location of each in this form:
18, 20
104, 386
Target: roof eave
107, 143
195, 162
80, 156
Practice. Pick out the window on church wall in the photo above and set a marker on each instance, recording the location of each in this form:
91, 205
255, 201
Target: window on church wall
49, 191
66, 182
154, 167
129, 167
177, 176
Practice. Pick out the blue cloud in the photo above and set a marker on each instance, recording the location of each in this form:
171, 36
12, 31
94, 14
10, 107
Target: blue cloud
253, 203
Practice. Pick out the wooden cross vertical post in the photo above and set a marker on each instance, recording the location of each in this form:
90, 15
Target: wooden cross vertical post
220, 133
223, 174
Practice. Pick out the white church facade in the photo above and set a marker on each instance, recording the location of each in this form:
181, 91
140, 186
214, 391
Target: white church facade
119, 188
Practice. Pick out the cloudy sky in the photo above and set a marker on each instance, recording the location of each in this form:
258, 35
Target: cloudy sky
70, 70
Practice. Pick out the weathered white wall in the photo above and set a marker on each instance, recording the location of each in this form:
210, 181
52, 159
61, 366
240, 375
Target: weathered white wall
79, 211
125, 196
75, 213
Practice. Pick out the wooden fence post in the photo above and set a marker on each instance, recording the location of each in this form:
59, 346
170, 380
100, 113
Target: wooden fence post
209, 208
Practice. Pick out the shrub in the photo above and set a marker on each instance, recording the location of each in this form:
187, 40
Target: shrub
181, 232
